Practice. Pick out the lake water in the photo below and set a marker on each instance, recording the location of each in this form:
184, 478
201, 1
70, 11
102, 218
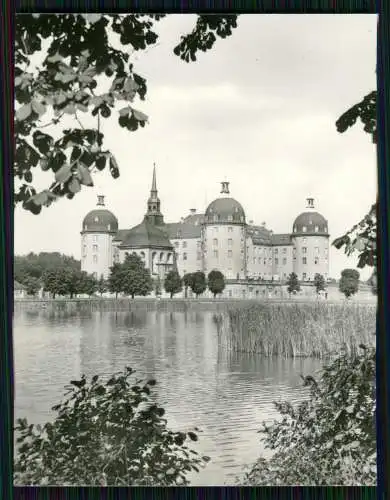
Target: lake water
200, 384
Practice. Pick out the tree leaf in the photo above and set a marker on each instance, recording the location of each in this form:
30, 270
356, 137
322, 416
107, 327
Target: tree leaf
74, 185
138, 115
38, 107
63, 174
23, 112
86, 178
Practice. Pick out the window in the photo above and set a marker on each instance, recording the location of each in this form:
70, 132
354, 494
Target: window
317, 250
215, 229
215, 242
109, 227
184, 256
176, 243
184, 244
304, 260
316, 260
304, 276
284, 261
259, 260
215, 253
265, 262
199, 255
95, 248
230, 253
304, 250
316, 229
276, 261
325, 229
304, 229
199, 244
230, 218
254, 260
95, 238
84, 249
304, 240
230, 242
276, 251
215, 218
269, 261
230, 229
95, 259
96, 219
284, 250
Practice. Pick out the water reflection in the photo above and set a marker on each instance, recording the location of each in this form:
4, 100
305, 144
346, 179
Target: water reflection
227, 395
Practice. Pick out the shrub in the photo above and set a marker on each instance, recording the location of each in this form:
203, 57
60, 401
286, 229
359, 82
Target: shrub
108, 433
330, 438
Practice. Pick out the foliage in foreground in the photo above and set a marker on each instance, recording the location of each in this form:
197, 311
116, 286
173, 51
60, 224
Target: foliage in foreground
329, 439
69, 66
108, 433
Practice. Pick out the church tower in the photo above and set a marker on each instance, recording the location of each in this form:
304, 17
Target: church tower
153, 215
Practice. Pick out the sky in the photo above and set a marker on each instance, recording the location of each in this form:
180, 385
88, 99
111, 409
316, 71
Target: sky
259, 111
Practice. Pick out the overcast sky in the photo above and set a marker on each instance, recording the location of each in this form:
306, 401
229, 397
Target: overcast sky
258, 110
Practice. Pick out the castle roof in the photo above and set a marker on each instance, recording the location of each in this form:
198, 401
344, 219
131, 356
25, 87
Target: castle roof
145, 235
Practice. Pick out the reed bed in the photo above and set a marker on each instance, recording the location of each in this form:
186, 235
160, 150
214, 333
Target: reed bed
301, 329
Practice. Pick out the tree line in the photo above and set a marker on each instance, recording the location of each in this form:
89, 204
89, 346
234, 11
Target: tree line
61, 275
348, 284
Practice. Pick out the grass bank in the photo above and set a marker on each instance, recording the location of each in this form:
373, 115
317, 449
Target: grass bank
297, 329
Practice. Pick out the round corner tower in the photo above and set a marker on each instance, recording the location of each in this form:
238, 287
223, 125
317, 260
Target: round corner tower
97, 233
224, 237
310, 237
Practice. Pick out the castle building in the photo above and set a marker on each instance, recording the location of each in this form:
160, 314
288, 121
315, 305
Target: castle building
220, 238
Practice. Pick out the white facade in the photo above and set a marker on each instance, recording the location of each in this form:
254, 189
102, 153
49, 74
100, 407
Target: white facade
97, 254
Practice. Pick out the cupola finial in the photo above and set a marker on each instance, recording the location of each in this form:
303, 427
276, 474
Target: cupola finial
224, 187
310, 203
100, 201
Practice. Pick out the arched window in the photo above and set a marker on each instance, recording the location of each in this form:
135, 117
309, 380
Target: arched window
304, 229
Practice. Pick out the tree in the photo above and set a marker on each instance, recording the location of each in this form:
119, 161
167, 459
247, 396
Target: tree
35, 265
115, 282
136, 279
216, 282
349, 282
373, 282
83, 72
87, 284
53, 282
293, 285
101, 285
108, 433
187, 281
319, 283
362, 236
330, 438
32, 285
198, 283
157, 286
173, 283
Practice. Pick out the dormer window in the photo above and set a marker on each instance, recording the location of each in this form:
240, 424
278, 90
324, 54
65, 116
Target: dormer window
85, 227
230, 218
96, 219
109, 227
316, 229
304, 229
326, 229
215, 218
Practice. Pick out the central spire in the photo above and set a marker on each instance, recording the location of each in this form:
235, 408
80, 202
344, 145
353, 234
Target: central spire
153, 214
154, 184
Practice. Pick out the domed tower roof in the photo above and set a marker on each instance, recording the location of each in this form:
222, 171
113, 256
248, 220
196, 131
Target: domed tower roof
100, 220
225, 209
310, 222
